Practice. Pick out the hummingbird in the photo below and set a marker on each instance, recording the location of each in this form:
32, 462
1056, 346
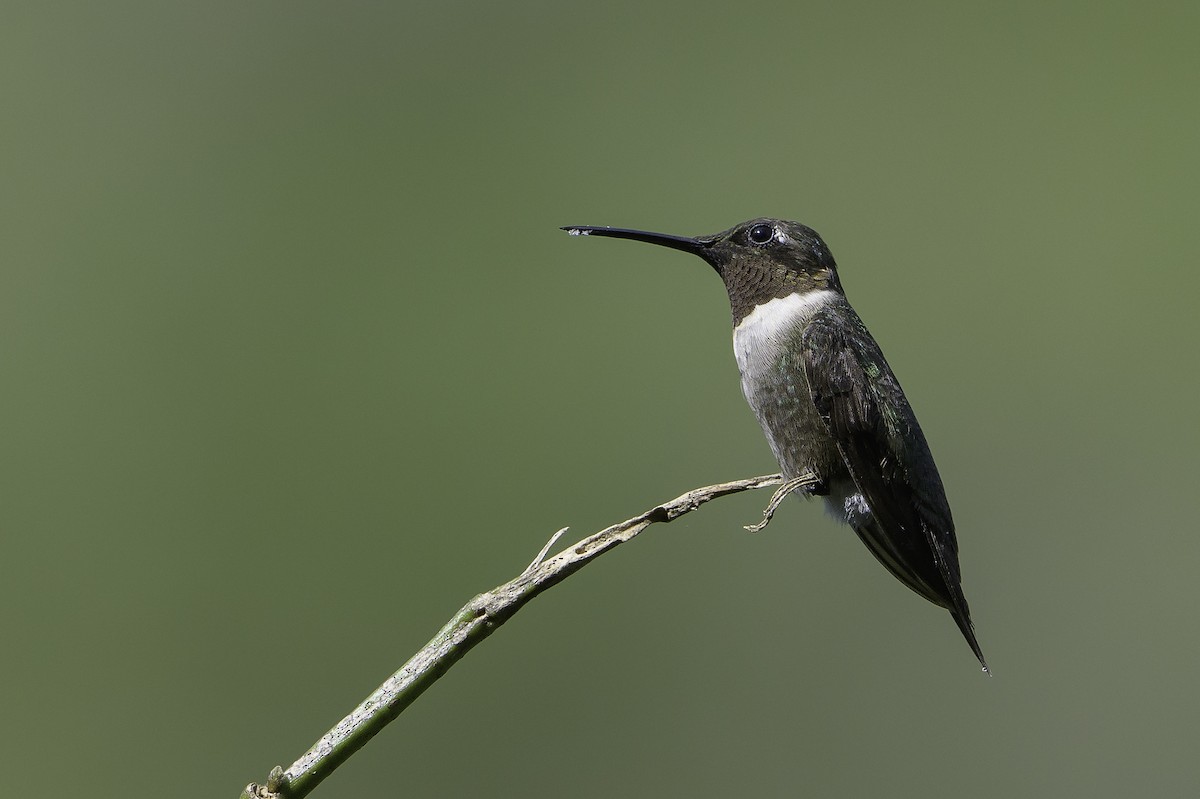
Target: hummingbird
832, 410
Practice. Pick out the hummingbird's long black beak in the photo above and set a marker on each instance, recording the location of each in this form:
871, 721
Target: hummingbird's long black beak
685, 243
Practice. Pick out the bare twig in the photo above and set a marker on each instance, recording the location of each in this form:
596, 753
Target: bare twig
542, 555
474, 622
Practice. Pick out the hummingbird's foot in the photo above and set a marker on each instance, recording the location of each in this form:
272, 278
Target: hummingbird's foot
806, 480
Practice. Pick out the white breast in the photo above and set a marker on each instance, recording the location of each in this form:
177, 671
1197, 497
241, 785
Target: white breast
758, 337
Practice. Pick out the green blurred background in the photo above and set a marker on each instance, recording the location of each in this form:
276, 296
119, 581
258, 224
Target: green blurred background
295, 361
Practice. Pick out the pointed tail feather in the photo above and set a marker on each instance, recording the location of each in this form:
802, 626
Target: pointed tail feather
968, 631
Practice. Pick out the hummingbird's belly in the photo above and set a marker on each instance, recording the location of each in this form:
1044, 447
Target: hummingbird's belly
801, 444
794, 430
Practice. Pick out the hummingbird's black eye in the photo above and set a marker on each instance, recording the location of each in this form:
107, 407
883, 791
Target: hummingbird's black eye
761, 234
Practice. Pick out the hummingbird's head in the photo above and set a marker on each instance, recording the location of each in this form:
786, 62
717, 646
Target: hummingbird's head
758, 260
